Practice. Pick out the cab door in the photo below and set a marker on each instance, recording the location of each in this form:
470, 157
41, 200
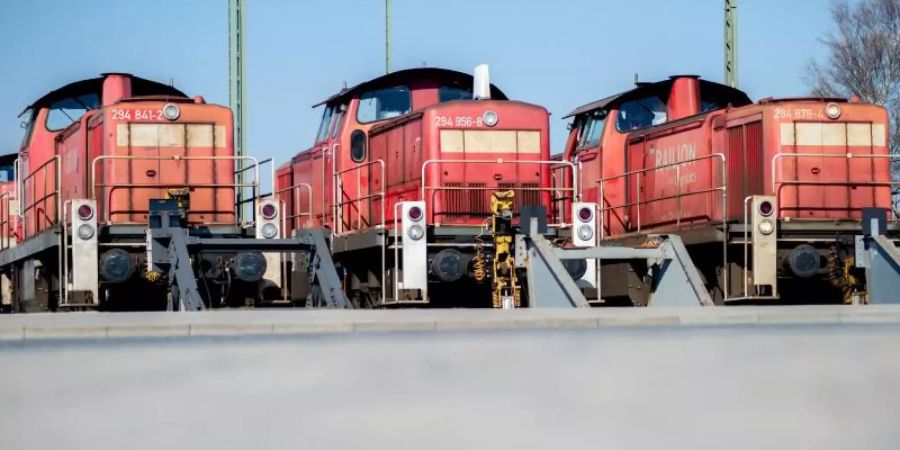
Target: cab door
324, 164
588, 159
337, 183
330, 146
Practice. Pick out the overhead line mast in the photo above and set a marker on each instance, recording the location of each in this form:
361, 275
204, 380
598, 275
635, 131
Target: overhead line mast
731, 69
237, 90
387, 36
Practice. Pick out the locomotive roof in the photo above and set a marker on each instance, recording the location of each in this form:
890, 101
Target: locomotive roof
735, 97
406, 75
140, 87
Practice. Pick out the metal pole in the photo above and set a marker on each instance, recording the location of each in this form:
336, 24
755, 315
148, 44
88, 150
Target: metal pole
387, 36
731, 69
237, 89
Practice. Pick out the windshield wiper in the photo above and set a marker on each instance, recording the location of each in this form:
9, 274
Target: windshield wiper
67, 114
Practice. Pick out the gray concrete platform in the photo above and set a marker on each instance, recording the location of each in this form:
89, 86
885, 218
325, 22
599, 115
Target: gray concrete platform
302, 321
802, 379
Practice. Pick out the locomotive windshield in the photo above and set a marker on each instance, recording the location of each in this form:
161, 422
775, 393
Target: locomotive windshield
450, 93
592, 129
7, 167
649, 111
65, 111
29, 128
331, 122
326, 123
383, 104
641, 113
7, 173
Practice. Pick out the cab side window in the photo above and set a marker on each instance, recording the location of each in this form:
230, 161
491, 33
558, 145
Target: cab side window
641, 113
591, 129
383, 104
358, 146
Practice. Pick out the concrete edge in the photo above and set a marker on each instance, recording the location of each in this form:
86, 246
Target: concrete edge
250, 324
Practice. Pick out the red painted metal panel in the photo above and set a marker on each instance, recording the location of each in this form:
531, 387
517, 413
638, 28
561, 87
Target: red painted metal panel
672, 177
744, 156
135, 174
755, 167
825, 172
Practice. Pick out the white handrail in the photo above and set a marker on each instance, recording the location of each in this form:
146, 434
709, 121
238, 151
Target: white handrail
678, 194
93, 180
381, 194
778, 184
723, 188
296, 190
57, 160
778, 156
334, 192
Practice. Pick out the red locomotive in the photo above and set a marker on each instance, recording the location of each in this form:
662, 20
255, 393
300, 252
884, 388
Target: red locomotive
767, 195
97, 154
405, 170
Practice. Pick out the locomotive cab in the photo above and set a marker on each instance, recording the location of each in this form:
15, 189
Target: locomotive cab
767, 195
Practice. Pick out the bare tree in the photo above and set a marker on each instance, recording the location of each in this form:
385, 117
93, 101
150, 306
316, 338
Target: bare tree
864, 59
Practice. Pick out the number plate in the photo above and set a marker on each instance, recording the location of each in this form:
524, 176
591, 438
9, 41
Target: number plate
458, 121
137, 115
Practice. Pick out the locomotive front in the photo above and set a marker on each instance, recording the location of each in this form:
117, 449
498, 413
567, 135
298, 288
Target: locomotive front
111, 169
178, 153
825, 162
486, 169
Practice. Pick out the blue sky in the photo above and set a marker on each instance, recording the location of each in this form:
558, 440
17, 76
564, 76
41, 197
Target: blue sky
559, 54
